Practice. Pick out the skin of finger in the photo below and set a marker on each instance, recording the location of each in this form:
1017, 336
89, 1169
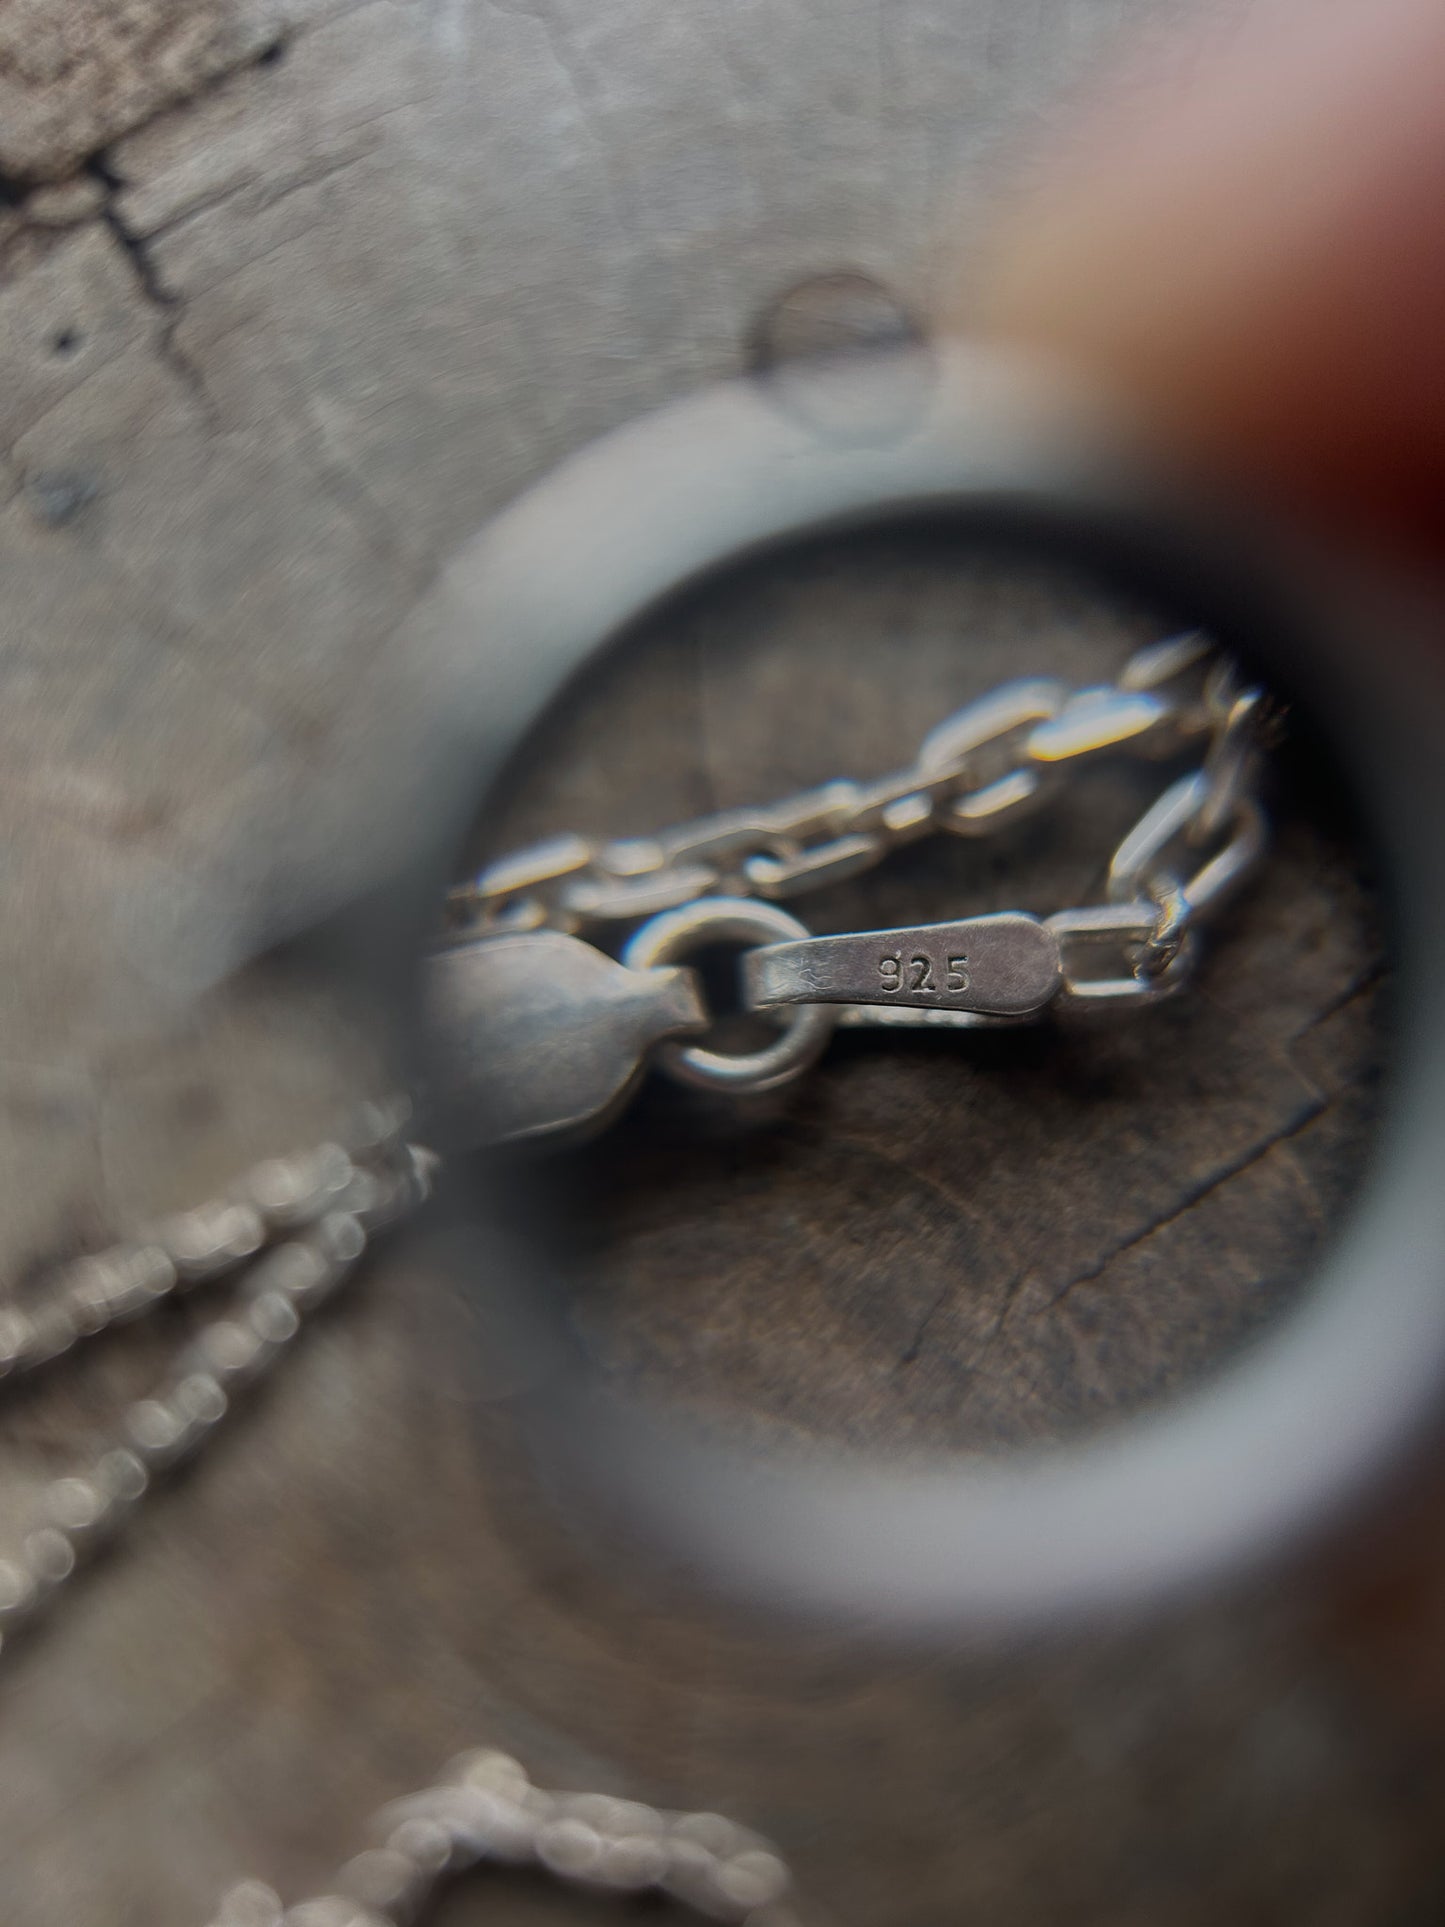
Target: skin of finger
1244, 240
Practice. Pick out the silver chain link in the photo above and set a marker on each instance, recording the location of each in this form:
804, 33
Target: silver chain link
294, 1229
999, 758
485, 1810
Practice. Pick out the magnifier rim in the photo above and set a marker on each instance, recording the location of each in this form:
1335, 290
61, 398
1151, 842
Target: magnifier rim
1261, 1455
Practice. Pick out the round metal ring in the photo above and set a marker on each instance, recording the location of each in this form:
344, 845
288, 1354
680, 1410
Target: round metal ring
678, 934
1260, 1457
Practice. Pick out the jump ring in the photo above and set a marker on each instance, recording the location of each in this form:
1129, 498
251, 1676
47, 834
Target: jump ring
680, 933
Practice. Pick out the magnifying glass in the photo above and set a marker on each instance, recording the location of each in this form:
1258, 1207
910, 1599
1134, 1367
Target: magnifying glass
1249, 1464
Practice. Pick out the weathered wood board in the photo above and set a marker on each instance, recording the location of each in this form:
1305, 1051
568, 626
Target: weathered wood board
293, 297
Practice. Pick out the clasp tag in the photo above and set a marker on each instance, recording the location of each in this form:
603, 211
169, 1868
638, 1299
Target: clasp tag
1003, 966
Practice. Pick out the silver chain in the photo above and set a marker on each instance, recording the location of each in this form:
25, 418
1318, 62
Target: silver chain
485, 1809
577, 1027
294, 1229
997, 759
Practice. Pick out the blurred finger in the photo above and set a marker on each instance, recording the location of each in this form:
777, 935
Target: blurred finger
1248, 245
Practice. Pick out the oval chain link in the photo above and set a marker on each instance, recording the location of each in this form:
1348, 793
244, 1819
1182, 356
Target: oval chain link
997, 759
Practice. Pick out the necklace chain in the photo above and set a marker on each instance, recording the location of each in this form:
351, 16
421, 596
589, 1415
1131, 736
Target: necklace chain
485, 1809
976, 774
294, 1229
570, 1028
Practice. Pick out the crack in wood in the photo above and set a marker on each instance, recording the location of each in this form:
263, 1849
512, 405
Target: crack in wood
1188, 1201
165, 301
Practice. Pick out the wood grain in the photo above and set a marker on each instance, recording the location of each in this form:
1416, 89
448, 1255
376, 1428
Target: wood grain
264, 362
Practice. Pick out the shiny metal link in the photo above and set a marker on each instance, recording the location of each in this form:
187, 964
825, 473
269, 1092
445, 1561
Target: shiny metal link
485, 1810
1107, 957
1166, 847
718, 920
1178, 668
1168, 873
996, 759
980, 756
1095, 720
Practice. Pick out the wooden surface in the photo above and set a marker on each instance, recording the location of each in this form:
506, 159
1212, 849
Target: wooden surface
264, 360
974, 1239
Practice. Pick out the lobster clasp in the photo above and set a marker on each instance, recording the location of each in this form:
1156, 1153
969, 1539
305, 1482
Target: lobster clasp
538, 1034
